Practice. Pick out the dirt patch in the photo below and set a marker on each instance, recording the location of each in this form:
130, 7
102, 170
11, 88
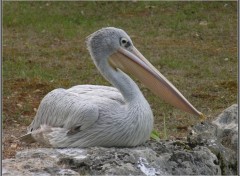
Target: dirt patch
21, 101
19, 107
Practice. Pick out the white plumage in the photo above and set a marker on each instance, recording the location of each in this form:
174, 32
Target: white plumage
91, 115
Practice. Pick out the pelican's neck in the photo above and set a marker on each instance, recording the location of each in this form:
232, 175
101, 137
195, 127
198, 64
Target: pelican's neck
128, 88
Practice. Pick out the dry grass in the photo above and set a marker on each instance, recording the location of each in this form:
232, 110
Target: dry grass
194, 44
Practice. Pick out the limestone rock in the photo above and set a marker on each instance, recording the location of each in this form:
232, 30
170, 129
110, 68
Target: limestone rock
168, 158
221, 137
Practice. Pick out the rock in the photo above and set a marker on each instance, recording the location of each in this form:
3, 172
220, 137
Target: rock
200, 155
227, 127
221, 137
203, 23
155, 158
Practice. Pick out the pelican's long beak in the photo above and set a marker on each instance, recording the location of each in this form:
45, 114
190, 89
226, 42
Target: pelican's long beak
134, 62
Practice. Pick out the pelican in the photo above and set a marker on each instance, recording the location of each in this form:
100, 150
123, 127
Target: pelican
93, 115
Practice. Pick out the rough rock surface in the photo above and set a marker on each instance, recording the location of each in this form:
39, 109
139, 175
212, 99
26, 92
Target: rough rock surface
153, 159
221, 137
210, 150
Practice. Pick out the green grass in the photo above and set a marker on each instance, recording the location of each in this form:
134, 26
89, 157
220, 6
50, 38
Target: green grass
44, 48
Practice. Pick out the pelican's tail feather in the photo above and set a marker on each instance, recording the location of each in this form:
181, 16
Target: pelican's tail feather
27, 138
46, 135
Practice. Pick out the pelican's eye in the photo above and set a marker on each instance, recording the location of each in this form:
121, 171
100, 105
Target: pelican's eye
124, 42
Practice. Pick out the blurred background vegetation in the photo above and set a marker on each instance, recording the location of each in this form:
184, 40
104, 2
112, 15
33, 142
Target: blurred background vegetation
194, 44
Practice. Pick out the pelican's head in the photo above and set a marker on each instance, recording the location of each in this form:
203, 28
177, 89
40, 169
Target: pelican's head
112, 45
106, 41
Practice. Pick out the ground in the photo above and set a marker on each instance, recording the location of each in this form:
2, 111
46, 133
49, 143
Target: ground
193, 44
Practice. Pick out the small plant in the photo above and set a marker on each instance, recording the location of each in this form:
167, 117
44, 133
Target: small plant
155, 135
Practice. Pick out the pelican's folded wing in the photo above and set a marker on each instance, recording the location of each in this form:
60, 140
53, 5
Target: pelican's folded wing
64, 109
